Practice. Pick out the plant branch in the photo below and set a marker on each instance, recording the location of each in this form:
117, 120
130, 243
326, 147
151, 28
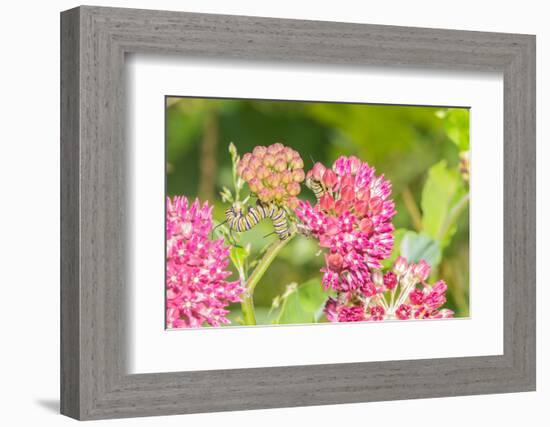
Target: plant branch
412, 208
247, 303
453, 216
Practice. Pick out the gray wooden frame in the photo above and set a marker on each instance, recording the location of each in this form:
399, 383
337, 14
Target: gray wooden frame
94, 41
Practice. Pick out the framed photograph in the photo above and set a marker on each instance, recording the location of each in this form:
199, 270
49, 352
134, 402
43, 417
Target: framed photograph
262, 213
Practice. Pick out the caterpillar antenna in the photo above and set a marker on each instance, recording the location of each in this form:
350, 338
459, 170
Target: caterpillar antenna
219, 225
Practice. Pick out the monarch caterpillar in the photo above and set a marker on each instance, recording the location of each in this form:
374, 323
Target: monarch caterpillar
240, 222
315, 186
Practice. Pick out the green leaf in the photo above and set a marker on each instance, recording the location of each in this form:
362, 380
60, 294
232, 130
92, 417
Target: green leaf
440, 192
238, 256
457, 126
312, 295
264, 316
418, 246
291, 311
302, 304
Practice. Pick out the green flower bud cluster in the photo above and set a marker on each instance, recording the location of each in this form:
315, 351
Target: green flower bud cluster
273, 173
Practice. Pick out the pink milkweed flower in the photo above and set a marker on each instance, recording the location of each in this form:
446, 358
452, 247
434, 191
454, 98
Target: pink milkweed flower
401, 297
400, 266
377, 312
197, 292
421, 270
352, 219
337, 312
416, 298
390, 280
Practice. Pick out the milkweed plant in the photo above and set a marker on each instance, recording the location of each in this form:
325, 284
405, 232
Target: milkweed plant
371, 271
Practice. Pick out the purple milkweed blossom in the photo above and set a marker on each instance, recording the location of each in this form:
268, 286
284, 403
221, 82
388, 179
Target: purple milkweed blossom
352, 219
197, 292
407, 297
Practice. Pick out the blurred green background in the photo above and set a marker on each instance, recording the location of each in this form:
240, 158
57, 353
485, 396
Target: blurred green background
414, 147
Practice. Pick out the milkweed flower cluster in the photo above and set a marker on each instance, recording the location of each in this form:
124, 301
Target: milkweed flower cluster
352, 219
273, 173
197, 292
401, 294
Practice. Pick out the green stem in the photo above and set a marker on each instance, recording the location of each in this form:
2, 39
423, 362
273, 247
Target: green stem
453, 215
447, 224
247, 303
412, 208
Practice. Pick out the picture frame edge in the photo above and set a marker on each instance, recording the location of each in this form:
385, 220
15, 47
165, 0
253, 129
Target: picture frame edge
94, 42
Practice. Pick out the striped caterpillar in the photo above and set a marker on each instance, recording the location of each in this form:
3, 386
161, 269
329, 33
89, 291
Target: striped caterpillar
239, 221
315, 186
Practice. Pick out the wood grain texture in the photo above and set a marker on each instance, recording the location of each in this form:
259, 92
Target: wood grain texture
70, 291
94, 382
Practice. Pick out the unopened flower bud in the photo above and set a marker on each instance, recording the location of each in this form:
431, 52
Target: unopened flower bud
347, 181
390, 280
403, 312
341, 206
298, 175
416, 297
262, 172
375, 205
377, 312
293, 188
293, 202
248, 174
265, 195
361, 208
377, 278
363, 194
335, 261
259, 151
355, 163
329, 178
246, 158
288, 153
326, 202
318, 171
279, 193
280, 165
421, 270
440, 287
275, 179
365, 225
296, 163
268, 160
255, 162
286, 177
255, 185
347, 194
400, 266
275, 148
